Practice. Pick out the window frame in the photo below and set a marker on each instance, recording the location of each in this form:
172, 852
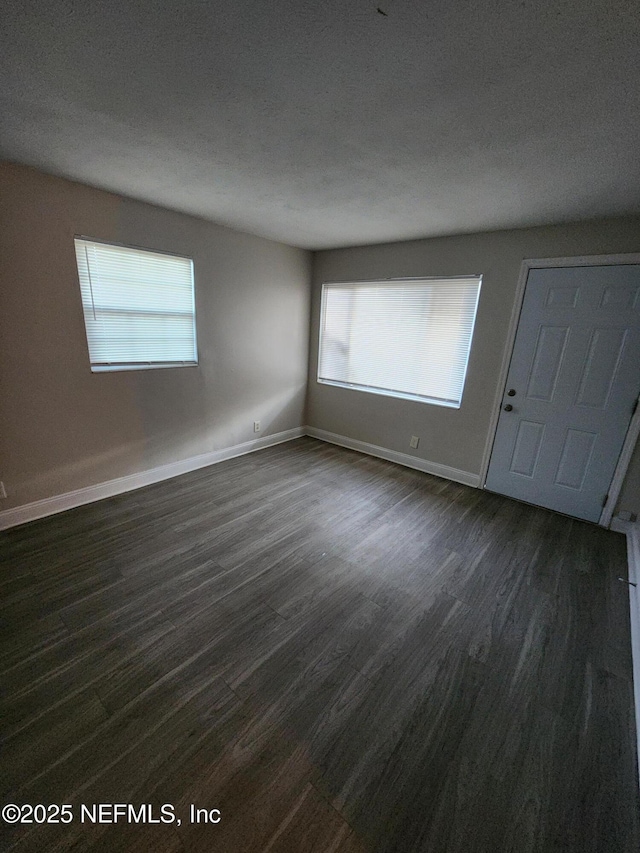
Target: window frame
121, 366
400, 395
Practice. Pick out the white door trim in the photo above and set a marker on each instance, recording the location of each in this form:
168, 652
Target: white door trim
634, 428
621, 468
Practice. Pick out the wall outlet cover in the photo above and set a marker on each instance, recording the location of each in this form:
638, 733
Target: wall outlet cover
414, 442
625, 515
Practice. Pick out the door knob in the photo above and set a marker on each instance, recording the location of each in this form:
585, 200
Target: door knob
508, 407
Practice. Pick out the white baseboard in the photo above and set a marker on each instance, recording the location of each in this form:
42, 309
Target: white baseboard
394, 456
632, 532
89, 494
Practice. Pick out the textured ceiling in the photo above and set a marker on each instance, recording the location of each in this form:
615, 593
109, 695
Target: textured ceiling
329, 123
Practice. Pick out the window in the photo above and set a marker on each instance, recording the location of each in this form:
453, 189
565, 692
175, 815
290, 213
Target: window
404, 338
139, 308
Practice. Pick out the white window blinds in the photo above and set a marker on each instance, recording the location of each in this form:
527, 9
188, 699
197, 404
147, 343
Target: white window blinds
139, 308
404, 338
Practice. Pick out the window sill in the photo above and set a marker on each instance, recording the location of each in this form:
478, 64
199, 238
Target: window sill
416, 398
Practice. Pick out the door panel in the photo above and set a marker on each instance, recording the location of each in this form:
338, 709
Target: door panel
527, 448
575, 458
547, 361
601, 367
575, 376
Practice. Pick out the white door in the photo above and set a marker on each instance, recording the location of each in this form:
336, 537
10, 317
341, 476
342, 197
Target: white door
573, 382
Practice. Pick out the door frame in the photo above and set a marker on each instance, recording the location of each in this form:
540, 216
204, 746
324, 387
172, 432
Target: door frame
634, 427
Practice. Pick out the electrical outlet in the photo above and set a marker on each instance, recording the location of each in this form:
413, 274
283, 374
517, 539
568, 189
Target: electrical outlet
256, 426
3, 491
413, 444
625, 515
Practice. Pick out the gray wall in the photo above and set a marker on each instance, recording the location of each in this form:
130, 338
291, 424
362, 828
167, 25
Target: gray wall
453, 437
62, 427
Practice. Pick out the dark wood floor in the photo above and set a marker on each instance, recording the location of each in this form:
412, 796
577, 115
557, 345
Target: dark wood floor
337, 653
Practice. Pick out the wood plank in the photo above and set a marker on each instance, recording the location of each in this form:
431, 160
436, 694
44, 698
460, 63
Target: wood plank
339, 653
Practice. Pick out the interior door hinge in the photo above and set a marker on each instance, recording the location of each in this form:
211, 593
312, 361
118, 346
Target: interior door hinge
604, 500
